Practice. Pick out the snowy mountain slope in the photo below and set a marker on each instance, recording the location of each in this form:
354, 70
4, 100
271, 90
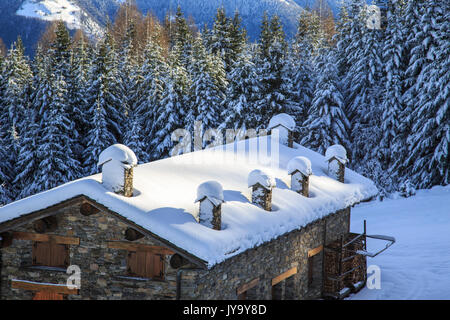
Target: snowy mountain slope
417, 266
65, 10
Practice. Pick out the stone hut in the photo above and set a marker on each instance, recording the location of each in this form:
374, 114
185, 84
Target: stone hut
83, 241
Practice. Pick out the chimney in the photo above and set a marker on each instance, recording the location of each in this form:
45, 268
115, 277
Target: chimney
285, 125
262, 185
299, 168
210, 196
117, 162
336, 156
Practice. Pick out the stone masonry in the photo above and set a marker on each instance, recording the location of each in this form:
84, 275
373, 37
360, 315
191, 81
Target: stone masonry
102, 267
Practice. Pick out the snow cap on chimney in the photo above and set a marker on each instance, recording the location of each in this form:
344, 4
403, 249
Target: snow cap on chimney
117, 162
262, 185
300, 169
336, 155
285, 124
210, 196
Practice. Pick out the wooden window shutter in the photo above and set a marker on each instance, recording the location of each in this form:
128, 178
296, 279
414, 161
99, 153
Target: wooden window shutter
59, 255
132, 263
145, 264
50, 254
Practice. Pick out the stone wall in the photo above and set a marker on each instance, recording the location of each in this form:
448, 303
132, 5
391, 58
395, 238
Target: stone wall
101, 267
268, 261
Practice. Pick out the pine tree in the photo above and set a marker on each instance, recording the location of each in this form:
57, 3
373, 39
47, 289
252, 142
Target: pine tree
326, 123
207, 95
274, 85
102, 112
57, 164
16, 87
428, 144
363, 87
5, 163
241, 96
77, 87
172, 113
151, 89
393, 105
29, 157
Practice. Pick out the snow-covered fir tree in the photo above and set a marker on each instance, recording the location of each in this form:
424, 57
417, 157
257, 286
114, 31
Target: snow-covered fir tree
153, 71
394, 65
327, 123
172, 112
242, 93
207, 94
428, 143
57, 162
274, 84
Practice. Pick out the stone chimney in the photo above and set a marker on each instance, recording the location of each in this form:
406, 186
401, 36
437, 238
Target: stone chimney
336, 156
210, 196
117, 162
299, 168
262, 185
285, 125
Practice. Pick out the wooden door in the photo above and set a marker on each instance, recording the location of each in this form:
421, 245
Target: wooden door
45, 295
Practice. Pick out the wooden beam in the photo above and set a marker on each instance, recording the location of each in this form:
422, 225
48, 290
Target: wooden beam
315, 251
138, 247
36, 286
247, 286
45, 238
284, 276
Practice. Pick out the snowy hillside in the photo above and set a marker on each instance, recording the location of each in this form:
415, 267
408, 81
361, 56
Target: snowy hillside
417, 266
66, 10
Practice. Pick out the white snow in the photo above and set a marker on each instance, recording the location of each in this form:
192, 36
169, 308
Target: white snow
301, 164
283, 120
65, 10
120, 153
417, 266
261, 177
165, 191
114, 160
337, 151
212, 190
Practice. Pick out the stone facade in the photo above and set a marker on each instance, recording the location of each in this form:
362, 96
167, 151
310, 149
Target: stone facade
103, 268
262, 197
267, 262
300, 183
336, 169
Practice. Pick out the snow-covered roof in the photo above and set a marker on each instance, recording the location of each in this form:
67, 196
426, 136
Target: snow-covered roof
258, 176
301, 164
336, 151
282, 119
212, 190
165, 191
119, 153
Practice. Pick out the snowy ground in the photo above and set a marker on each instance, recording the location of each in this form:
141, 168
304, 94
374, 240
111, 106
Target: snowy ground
417, 266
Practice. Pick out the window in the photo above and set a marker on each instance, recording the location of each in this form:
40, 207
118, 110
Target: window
50, 254
145, 264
